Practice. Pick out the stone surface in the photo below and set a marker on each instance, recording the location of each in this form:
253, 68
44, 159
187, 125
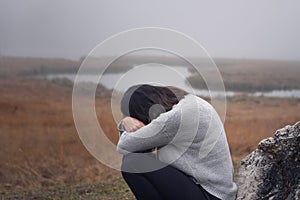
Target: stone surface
272, 171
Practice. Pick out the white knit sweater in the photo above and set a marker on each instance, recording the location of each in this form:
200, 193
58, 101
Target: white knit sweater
191, 138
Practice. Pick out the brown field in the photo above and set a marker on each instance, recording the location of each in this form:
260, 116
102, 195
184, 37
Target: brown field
39, 143
40, 146
253, 75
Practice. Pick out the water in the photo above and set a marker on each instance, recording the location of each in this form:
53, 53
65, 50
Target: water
280, 93
148, 73
163, 75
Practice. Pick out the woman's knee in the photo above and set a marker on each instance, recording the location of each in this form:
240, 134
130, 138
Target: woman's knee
128, 162
141, 163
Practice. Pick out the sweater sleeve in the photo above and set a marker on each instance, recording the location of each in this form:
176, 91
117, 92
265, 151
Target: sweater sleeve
158, 133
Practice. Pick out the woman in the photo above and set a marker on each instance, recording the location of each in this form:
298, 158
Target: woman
193, 168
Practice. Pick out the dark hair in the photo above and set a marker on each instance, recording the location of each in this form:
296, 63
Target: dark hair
146, 102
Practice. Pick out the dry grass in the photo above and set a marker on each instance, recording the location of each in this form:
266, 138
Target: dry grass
249, 120
39, 143
16, 66
253, 75
40, 146
110, 189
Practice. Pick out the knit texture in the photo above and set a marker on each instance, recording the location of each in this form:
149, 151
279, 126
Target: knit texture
190, 137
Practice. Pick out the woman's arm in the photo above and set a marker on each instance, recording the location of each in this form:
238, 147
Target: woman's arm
129, 124
159, 132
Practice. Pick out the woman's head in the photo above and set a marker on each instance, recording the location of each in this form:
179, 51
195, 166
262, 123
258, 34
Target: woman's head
146, 102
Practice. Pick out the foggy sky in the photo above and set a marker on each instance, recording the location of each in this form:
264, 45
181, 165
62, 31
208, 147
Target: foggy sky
266, 29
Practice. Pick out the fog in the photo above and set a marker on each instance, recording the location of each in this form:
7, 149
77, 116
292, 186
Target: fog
231, 29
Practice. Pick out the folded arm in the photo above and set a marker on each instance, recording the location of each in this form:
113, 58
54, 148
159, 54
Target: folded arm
158, 133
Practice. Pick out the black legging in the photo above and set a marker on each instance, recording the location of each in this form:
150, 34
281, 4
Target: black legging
166, 183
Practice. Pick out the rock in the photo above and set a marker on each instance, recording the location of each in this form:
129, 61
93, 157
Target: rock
272, 171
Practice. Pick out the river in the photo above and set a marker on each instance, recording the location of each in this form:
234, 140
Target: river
163, 75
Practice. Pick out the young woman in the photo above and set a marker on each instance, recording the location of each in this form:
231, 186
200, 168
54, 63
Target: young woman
184, 166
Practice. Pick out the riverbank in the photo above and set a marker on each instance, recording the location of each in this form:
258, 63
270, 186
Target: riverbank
239, 75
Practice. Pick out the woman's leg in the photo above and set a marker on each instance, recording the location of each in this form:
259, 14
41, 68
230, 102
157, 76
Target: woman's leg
166, 183
141, 187
137, 182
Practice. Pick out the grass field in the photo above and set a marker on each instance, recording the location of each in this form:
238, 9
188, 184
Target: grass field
41, 154
110, 189
253, 75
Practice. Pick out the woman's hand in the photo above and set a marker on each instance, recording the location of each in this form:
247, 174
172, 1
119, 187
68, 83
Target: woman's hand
131, 124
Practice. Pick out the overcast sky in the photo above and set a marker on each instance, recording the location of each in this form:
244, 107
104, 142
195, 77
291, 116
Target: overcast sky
263, 29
